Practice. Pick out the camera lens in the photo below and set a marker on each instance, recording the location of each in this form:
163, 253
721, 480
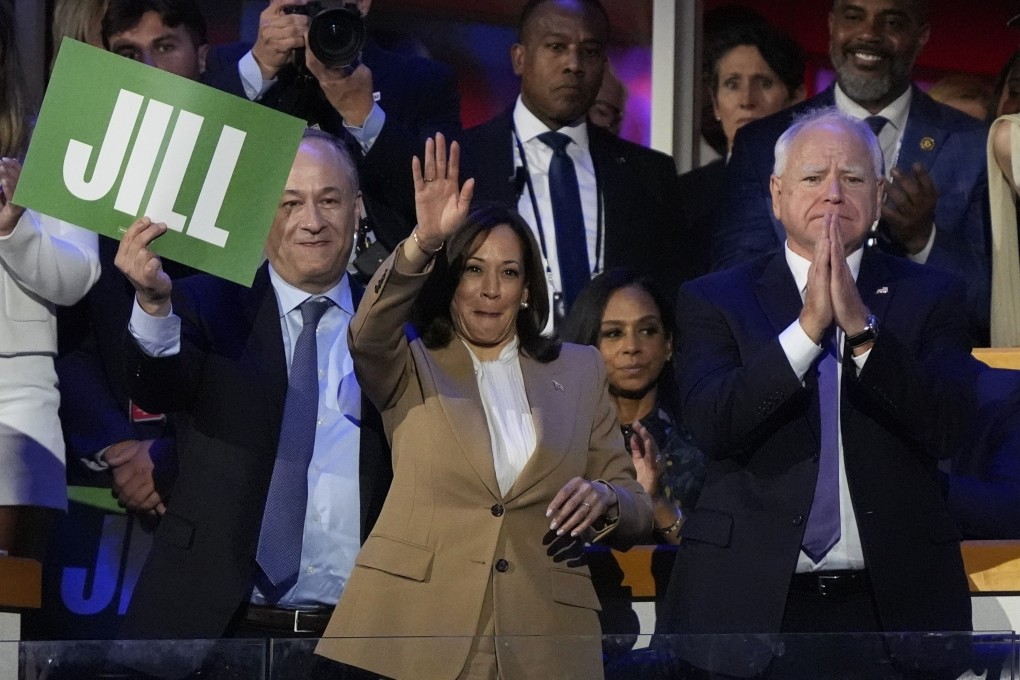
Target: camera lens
337, 36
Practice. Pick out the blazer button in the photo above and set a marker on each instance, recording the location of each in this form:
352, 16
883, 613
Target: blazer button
502, 565
496, 510
798, 520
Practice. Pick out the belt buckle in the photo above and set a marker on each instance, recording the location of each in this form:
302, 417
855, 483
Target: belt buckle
297, 623
825, 581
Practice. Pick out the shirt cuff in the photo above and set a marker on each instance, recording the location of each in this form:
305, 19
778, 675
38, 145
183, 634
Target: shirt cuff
859, 361
251, 77
370, 129
800, 350
96, 462
158, 336
922, 256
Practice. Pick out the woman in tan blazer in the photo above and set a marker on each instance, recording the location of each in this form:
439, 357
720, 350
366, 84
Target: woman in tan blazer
507, 457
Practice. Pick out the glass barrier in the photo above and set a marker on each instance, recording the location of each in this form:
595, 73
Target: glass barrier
930, 656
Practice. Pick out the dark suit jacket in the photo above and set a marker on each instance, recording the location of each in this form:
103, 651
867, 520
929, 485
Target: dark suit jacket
94, 404
702, 191
758, 426
419, 97
639, 188
229, 385
951, 145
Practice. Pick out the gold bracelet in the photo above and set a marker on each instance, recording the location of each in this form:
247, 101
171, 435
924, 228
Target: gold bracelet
672, 527
421, 247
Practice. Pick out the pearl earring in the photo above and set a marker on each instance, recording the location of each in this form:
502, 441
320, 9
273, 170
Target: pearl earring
524, 305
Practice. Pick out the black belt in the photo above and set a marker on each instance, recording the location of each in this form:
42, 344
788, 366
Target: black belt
839, 582
289, 620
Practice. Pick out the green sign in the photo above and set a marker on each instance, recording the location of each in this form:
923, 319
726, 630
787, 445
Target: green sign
116, 140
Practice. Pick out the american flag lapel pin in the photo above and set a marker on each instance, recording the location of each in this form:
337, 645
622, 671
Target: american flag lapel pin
558, 385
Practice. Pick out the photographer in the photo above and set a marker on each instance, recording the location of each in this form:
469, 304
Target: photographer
384, 106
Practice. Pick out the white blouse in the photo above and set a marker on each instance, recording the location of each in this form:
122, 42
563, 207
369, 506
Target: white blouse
507, 413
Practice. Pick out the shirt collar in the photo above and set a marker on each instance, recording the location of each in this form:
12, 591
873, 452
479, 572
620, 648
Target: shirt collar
896, 112
799, 266
507, 355
290, 297
529, 126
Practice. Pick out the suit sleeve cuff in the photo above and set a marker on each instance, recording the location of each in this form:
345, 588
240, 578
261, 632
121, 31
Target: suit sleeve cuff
370, 129
157, 336
921, 257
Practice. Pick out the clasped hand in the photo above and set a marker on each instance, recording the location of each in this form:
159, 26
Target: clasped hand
831, 295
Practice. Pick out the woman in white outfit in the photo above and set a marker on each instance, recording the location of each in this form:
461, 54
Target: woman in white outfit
43, 263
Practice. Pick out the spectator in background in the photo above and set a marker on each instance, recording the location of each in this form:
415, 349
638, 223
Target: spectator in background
610, 103
384, 107
936, 206
43, 263
754, 71
80, 20
629, 321
964, 92
592, 199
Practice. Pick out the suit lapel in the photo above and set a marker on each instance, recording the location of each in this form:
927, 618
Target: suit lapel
457, 392
552, 395
922, 138
875, 283
490, 151
265, 344
777, 293
612, 175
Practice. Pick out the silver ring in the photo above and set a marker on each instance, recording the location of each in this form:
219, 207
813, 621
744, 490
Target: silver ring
587, 505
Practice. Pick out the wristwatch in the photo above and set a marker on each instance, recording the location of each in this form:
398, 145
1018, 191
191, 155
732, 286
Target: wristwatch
869, 333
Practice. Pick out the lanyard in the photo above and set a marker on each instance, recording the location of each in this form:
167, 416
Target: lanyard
599, 226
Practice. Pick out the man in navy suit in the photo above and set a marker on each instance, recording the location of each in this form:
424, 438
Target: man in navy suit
218, 354
823, 382
936, 210
628, 193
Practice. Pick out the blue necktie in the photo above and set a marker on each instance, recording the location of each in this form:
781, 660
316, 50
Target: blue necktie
876, 123
279, 550
823, 525
571, 242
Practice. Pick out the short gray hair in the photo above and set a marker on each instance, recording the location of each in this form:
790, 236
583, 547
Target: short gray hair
347, 163
828, 116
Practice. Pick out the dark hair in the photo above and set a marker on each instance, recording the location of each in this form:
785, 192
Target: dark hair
123, 15
532, 5
431, 313
16, 112
1002, 82
584, 321
781, 52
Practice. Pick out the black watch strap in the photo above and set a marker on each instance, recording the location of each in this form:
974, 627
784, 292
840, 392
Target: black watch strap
869, 333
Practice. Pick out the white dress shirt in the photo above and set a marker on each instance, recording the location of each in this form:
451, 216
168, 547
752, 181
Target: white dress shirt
332, 530
803, 353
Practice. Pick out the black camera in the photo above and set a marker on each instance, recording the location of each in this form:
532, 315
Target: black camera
336, 33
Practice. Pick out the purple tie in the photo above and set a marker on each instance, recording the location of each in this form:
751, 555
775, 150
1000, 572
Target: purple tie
823, 527
282, 533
